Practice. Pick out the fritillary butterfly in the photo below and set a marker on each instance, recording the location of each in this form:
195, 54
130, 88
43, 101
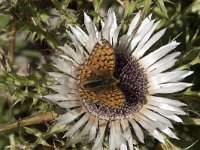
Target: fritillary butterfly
96, 80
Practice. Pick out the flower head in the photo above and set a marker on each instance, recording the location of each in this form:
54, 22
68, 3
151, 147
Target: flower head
110, 85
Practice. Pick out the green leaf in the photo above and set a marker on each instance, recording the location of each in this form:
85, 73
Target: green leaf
97, 5
189, 92
33, 131
43, 142
192, 121
147, 4
162, 7
195, 7
129, 8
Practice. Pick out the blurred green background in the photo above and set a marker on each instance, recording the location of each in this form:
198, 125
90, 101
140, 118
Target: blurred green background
30, 31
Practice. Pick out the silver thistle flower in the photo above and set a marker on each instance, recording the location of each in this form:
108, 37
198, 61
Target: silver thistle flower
123, 95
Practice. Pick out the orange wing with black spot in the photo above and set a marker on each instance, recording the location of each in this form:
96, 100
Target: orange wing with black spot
102, 58
112, 97
100, 65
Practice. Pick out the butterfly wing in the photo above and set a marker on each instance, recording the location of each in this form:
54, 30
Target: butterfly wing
100, 64
112, 97
102, 59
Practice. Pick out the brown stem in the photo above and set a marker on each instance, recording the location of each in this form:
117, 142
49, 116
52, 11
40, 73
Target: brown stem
11, 42
35, 119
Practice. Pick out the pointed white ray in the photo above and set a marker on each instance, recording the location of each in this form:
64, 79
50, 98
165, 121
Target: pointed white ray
66, 88
80, 35
65, 82
167, 107
169, 133
59, 77
82, 32
158, 136
145, 39
70, 104
91, 28
55, 97
88, 126
115, 36
150, 126
57, 88
145, 123
164, 101
154, 124
134, 23
159, 110
100, 136
77, 125
71, 54
127, 133
58, 97
158, 54
155, 117
144, 24
112, 142
162, 65
76, 63
92, 31
166, 113
69, 116
172, 76
93, 129
77, 45
123, 147
110, 25
124, 43
163, 61
116, 138
174, 118
64, 66
139, 35
150, 42
168, 87
138, 131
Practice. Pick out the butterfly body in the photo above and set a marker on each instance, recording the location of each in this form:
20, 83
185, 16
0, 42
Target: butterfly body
97, 81
101, 82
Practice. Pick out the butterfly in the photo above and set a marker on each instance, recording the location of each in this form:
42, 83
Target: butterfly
96, 78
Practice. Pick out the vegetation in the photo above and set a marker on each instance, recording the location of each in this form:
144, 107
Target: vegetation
31, 30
